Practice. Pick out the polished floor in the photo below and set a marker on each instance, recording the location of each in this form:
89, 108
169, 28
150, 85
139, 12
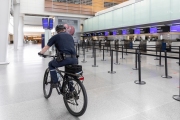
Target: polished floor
110, 96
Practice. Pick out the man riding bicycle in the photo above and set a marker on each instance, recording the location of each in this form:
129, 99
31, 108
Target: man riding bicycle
66, 54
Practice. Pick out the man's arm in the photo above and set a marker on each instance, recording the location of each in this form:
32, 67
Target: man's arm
44, 49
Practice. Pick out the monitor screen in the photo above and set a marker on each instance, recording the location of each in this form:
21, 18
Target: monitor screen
50, 23
114, 32
175, 28
124, 32
106, 33
137, 31
45, 23
153, 30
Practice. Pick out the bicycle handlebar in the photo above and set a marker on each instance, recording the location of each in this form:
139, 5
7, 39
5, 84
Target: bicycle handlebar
45, 56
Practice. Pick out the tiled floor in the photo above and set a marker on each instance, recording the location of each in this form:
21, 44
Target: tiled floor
110, 96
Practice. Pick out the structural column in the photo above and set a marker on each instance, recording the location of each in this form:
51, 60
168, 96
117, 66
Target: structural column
20, 32
4, 31
16, 24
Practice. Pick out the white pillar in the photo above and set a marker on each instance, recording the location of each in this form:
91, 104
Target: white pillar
47, 37
4, 31
20, 32
16, 24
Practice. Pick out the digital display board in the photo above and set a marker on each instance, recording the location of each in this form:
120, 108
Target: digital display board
130, 31
153, 30
124, 32
50, 23
119, 32
127, 31
141, 30
106, 33
160, 29
175, 28
114, 32
45, 23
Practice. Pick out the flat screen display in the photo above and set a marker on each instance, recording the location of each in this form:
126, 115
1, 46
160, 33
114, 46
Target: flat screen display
175, 28
124, 32
114, 32
153, 30
106, 33
119, 32
45, 23
50, 23
141, 30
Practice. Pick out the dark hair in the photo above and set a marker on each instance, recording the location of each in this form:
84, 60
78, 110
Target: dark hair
60, 27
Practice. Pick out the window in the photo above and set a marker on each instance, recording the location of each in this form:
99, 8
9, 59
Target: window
109, 4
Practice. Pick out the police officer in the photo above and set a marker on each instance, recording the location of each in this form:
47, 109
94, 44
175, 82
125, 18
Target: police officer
64, 43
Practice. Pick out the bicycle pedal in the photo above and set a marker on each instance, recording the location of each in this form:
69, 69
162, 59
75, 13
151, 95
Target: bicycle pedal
55, 85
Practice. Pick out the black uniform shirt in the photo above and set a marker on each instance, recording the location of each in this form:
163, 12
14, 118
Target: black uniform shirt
64, 43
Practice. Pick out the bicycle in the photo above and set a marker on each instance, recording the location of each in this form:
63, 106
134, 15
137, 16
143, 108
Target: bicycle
71, 87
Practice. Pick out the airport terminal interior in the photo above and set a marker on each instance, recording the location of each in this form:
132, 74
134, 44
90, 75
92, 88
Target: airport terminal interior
128, 54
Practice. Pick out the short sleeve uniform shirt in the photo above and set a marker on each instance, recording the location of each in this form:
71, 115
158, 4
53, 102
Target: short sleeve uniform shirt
64, 43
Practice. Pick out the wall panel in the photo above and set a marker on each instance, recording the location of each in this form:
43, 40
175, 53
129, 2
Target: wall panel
175, 9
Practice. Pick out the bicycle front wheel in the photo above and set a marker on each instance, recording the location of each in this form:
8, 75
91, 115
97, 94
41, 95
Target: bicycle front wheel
47, 89
75, 97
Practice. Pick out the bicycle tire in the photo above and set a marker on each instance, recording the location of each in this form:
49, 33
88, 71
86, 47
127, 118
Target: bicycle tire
46, 94
82, 111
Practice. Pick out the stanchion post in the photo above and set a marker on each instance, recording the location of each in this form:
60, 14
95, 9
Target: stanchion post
103, 54
126, 50
166, 67
92, 50
122, 52
156, 54
160, 59
84, 61
117, 63
135, 61
179, 56
139, 70
94, 59
110, 49
111, 72
76, 49
177, 97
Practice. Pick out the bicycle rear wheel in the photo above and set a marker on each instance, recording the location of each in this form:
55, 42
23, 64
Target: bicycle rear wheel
47, 89
75, 97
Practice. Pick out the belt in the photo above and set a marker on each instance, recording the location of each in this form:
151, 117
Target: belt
70, 56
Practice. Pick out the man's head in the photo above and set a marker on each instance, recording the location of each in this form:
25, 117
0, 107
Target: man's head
60, 28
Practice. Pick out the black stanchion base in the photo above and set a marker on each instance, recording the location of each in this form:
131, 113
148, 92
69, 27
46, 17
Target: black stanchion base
176, 97
160, 65
83, 61
156, 59
117, 63
139, 82
135, 68
94, 65
122, 58
103, 60
111, 72
163, 76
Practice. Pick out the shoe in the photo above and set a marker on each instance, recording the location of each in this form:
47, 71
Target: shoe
55, 85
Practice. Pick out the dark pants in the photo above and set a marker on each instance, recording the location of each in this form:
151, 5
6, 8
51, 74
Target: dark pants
54, 64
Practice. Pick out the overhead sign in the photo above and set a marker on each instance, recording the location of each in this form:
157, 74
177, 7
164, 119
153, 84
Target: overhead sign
119, 32
141, 30
160, 29
106, 33
175, 28
127, 31
50, 23
45, 23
